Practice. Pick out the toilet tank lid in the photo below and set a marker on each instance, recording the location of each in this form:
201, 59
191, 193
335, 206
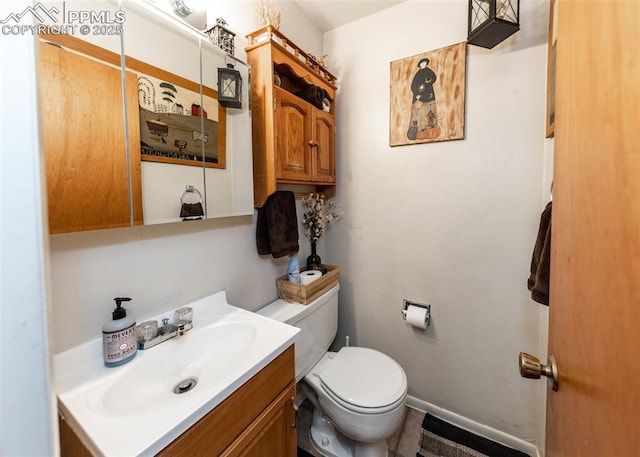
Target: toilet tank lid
282, 311
290, 313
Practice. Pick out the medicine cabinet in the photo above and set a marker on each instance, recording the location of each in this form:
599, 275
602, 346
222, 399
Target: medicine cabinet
132, 129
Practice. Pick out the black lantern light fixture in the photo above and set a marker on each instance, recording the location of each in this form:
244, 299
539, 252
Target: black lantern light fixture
492, 21
229, 87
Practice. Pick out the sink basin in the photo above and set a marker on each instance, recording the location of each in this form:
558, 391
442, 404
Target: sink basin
137, 402
207, 356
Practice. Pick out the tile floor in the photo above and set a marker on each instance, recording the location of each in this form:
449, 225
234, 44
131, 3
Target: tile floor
404, 443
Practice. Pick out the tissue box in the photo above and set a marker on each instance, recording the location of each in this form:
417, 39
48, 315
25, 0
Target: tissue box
306, 293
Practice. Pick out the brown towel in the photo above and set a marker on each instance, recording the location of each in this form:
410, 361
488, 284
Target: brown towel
277, 225
191, 211
538, 282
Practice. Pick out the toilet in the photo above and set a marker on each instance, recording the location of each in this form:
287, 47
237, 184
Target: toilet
358, 393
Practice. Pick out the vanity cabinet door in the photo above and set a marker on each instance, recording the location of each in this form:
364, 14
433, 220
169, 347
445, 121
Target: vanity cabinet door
274, 433
84, 143
70, 444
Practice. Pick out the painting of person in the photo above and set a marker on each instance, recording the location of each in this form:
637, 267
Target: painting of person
424, 110
427, 96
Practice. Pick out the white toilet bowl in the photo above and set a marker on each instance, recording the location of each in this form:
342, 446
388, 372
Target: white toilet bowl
358, 393
362, 392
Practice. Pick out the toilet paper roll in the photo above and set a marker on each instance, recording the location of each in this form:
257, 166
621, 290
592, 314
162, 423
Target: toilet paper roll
416, 316
307, 277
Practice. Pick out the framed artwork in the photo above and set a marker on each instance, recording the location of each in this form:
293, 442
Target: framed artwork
177, 124
427, 100
551, 68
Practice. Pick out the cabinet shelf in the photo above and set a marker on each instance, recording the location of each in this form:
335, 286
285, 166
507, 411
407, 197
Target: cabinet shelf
272, 36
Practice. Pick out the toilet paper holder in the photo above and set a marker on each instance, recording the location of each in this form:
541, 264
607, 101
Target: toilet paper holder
406, 303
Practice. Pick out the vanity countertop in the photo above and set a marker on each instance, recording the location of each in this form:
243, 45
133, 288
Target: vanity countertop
132, 410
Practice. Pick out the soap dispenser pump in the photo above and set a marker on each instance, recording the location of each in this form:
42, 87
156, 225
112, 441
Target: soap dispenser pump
119, 342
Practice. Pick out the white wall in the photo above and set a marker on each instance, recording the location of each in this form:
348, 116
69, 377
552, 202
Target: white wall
27, 402
451, 223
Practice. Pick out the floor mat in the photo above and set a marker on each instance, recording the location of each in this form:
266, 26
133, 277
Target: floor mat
442, 439
303, 453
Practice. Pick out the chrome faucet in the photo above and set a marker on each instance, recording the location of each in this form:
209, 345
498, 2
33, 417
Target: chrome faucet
150, 335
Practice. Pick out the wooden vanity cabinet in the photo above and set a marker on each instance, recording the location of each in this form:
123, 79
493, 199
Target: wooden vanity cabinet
293, 140
257, 420
89, 180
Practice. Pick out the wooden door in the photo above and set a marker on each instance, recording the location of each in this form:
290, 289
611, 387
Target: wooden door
293, 132
324, 147
595, 270
84, 142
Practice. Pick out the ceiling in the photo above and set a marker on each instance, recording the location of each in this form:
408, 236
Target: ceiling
326, 14
330, 14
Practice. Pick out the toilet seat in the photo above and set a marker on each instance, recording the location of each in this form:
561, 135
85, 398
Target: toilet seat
364, 380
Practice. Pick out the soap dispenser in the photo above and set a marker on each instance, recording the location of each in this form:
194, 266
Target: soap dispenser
119, 342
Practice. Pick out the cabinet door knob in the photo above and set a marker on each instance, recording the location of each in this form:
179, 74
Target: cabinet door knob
313, 143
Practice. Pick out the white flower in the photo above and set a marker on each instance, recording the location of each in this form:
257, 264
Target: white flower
317, 214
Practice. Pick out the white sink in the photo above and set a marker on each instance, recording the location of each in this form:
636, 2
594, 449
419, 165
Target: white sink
136, 402
208, 356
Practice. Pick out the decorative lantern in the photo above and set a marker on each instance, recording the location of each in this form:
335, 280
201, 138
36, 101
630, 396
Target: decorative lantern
229, 87
222, 37
492, 21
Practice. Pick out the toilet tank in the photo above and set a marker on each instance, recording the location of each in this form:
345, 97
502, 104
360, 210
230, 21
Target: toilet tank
318, 324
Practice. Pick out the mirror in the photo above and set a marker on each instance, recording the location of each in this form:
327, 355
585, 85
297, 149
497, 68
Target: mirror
221, 183
182, 156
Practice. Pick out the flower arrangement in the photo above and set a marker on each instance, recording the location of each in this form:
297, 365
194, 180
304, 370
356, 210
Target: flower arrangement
318, 213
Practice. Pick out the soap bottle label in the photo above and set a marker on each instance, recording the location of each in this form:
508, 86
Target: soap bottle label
119, 345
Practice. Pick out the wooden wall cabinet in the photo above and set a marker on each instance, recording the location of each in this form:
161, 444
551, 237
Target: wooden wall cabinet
293, 140
257, 420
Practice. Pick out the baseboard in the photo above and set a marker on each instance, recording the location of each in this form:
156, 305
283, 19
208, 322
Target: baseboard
473, 426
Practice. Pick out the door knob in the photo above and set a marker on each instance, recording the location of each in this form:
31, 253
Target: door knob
530, 367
